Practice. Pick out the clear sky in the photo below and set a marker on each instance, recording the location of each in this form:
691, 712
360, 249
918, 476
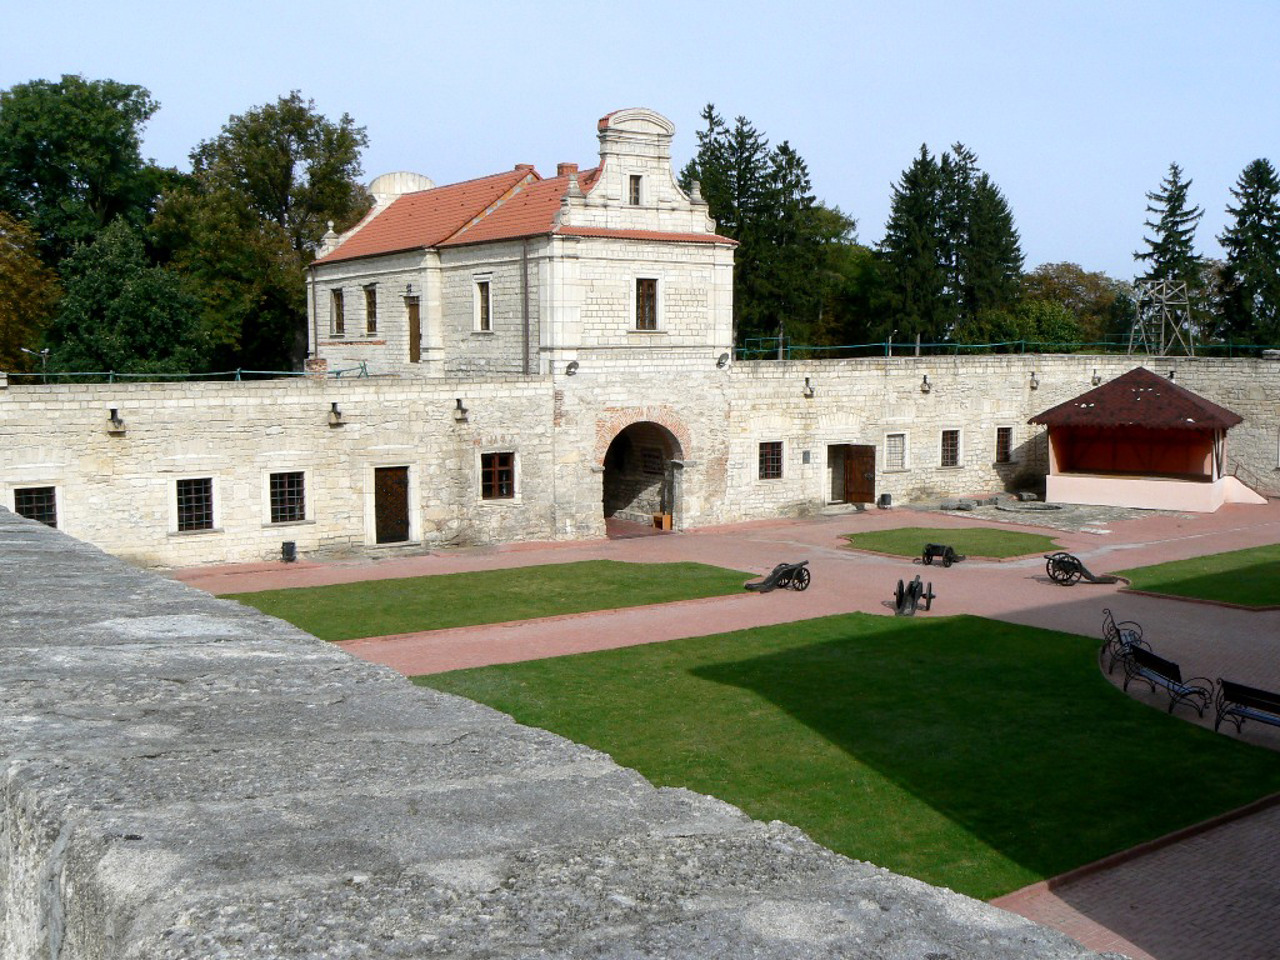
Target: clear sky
1076, 109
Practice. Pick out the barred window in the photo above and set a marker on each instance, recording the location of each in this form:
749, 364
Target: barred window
371, 309
37, 503
337, 316
646, 304
288, 497
771, 460
497, 476
895, 451
195, 504
950, 448
652, 461
1004, 444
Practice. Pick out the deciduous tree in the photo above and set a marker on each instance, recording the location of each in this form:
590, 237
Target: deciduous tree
28, 293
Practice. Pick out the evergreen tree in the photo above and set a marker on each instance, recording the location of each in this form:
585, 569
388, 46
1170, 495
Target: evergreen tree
1170, 253
1250, 306
915, 258
991, 261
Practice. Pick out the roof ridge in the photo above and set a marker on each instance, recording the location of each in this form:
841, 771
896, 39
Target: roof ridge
529, 176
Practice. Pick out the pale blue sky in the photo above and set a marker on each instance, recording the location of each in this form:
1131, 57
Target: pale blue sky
1075, 108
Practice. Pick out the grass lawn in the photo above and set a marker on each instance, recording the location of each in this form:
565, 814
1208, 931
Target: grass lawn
1250, 577
376, 608
970, 541
969, 753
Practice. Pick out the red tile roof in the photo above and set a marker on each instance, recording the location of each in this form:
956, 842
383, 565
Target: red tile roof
427, 218
532, 211
1143, 399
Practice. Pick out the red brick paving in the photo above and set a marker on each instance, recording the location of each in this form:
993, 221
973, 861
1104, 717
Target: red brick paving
1215, 894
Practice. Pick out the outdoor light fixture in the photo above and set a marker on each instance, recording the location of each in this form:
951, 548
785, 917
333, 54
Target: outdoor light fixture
408, 289
335, 415
1035, 381
1096, 379
925, 385
1171, 373
722, 361
808, 389
460, 412
115, 425
571, 369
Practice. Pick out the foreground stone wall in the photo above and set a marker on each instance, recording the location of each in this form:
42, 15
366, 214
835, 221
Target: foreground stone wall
182, 777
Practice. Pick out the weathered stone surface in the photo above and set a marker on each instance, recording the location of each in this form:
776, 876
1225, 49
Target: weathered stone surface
185, 778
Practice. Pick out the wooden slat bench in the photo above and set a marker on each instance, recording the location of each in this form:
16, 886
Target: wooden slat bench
1238, 703
1156, 671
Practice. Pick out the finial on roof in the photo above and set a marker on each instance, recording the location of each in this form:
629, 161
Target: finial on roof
695, 192
575, 189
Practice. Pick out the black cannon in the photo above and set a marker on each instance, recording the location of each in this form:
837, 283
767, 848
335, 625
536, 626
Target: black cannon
940, 551
1066, 569
908, 597
785, 576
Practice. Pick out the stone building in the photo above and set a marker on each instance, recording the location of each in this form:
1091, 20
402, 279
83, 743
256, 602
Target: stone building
517, 357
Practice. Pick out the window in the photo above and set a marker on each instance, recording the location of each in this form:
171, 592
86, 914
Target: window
371, 309
646, 304
634, 196
195, 504
1004, 444
651, 461
337, 319
288, 497
497, 476
771, 460
37, 503
950, 448
895, 451
484, 307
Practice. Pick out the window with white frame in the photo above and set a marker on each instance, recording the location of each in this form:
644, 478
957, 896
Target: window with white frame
1004, 444
895, 451
287, 497
646, 303
37, 503
194, 504
633, 195
337, 315
950, 453
371, 309
483, 299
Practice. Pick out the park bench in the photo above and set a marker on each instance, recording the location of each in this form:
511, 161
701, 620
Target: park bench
1238, 703
1155, 671
794, 576
1118, 637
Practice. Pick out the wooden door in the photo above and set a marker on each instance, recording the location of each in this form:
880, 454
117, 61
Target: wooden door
391, 504
859, 474
415, 330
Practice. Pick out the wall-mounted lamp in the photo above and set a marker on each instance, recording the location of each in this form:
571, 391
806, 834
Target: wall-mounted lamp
1096, 378
460, 412
1171, 373
925, 385
408, 289
808, 389
335, 415
115, 424
722, 361
1034, 382
571, 368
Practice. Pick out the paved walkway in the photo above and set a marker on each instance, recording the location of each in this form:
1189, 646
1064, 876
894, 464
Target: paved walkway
1148, 906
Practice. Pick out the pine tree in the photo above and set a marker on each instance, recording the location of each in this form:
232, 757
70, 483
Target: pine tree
991, 260
915, 255
1170, 256
1251, 278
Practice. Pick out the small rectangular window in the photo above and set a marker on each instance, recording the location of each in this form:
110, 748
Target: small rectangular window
646, 304
195, 504
895, 451
37, 503
950, 448
288, 497
337, 317
634, 196
484, 306
371, 309
771, 460
1004, 444
497, 476
652, 461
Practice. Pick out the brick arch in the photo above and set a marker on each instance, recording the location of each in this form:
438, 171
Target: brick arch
613, 422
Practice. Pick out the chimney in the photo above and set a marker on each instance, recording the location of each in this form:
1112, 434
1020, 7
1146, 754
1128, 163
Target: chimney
564, 169
526, 167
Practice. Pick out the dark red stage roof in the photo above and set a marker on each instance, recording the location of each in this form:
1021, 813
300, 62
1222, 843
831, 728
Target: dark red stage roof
1139, 398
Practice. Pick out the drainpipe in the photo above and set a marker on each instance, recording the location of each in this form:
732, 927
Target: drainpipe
524, 301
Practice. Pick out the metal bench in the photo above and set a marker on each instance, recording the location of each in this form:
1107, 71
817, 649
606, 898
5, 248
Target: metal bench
1118, 638
793, 576
1238, 703
1142, 664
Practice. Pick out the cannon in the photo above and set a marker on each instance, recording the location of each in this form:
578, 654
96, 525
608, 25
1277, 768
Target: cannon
908, 597
1066, 569
940, 551
785, 576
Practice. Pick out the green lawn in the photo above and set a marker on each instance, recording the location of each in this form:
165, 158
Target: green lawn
973, 754
1250, 577
376, 608
970, 541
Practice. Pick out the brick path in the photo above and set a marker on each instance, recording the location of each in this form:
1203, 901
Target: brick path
1185, 900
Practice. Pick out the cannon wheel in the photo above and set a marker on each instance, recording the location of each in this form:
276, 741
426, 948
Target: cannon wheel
899, 595
948, 557
784, 581
801, 579
927, 558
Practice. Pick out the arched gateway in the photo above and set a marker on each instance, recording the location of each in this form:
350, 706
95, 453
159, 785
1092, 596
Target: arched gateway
642, 470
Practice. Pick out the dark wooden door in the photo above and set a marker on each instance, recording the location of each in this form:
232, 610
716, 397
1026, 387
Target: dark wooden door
415, 331
859, 474
391, 504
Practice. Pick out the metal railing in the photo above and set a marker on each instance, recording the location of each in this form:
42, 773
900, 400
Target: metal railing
237, 375
780, 348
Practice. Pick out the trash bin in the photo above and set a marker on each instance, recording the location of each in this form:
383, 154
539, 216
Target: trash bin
885, 501
288, 551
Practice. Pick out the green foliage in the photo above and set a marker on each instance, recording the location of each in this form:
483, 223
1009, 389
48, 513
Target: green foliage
914, 256
122, 313
378, 608
978, 755
971, 541
29, 293
70, 160
1250, 308
1250, 577
1170, 255
1101, 306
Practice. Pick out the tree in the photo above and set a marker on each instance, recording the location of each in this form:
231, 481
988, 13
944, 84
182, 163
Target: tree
28, 293
291, 166
1251, 275
122, 313
914, 255
1170, 255
1100, 304
70, 158
989, 267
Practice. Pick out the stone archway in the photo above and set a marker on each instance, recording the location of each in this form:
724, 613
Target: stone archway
642, 468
